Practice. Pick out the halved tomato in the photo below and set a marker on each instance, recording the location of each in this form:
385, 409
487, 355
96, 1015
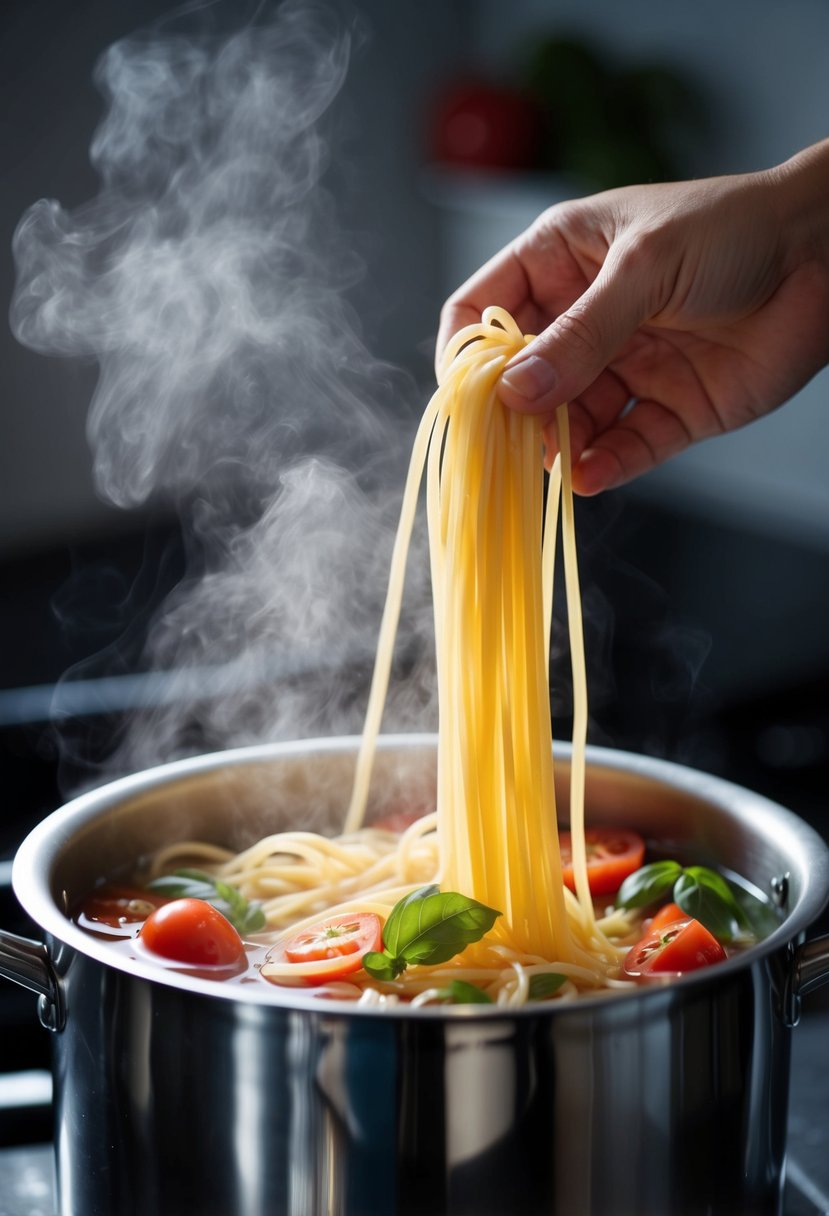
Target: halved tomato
326, 950
666, 915
192, 931
684, 945
612, 854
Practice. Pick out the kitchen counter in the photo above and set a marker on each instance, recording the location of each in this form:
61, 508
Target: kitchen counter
27, 1188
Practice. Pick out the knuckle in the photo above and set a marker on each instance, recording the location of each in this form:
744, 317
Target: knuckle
578, 330
641, 253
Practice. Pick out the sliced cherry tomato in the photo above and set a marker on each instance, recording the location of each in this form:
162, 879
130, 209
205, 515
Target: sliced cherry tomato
326, 950
612, 854
192, 931
684, 945
666, 915
118, 907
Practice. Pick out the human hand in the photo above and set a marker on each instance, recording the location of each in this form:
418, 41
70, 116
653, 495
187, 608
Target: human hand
704, 303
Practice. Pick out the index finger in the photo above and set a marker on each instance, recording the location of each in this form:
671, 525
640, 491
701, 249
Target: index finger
502, 281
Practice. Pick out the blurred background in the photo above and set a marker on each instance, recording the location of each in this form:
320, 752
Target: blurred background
706, 583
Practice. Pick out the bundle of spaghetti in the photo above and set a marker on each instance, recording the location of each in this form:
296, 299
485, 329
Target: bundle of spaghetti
492, 549
492, 553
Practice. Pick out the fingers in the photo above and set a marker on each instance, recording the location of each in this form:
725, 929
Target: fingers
501, 281
596, 410
568, 356
646, 436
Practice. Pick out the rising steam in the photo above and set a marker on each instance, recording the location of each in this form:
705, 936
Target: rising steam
208, 280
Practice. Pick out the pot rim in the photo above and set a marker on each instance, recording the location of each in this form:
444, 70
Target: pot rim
38, 853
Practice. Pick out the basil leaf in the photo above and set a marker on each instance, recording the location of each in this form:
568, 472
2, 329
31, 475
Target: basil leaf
383, 966
648, 884
394, 928
760, 917
544, 984
246, 917
706, 896
175, 887
437, 926
254, 918
428, 926
459, 992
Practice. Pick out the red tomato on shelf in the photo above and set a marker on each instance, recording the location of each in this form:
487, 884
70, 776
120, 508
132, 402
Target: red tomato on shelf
194, 932
612, 854
327, 950
479, 125
684, 945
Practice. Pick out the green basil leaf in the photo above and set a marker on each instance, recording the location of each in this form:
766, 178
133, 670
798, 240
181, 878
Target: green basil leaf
439, 925
235, 898
706, 896
174, 886
760, 917
648, 884
394, 931
254, 919
382, 965
459, 992
196, 884
544, 984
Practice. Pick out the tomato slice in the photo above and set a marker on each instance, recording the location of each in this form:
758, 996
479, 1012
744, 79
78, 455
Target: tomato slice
122, 908
612, 854
328, 949
683, 945
666, 915
192, 931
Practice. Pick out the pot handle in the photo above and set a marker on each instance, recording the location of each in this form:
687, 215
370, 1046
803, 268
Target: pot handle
809, 969
27, 962
811, 965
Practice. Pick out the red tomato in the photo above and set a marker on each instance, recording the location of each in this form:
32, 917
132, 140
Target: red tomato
612, 854
684, 945
666, 915
192, 931
326, 950
483, 126
119, 907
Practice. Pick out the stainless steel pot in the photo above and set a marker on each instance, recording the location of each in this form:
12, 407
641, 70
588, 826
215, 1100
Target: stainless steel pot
178, 1097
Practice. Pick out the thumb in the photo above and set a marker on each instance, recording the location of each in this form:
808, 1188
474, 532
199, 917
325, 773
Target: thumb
567, 357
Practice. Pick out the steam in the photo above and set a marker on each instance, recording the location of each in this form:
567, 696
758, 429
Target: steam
209, 281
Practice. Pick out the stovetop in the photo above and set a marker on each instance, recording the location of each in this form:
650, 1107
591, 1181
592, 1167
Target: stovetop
27, 1185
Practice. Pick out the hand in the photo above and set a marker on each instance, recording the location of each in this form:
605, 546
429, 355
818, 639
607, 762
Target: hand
665, 313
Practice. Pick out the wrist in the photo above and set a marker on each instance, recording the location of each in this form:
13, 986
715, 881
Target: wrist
800, 197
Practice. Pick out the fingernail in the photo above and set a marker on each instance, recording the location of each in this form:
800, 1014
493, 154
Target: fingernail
532, 377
